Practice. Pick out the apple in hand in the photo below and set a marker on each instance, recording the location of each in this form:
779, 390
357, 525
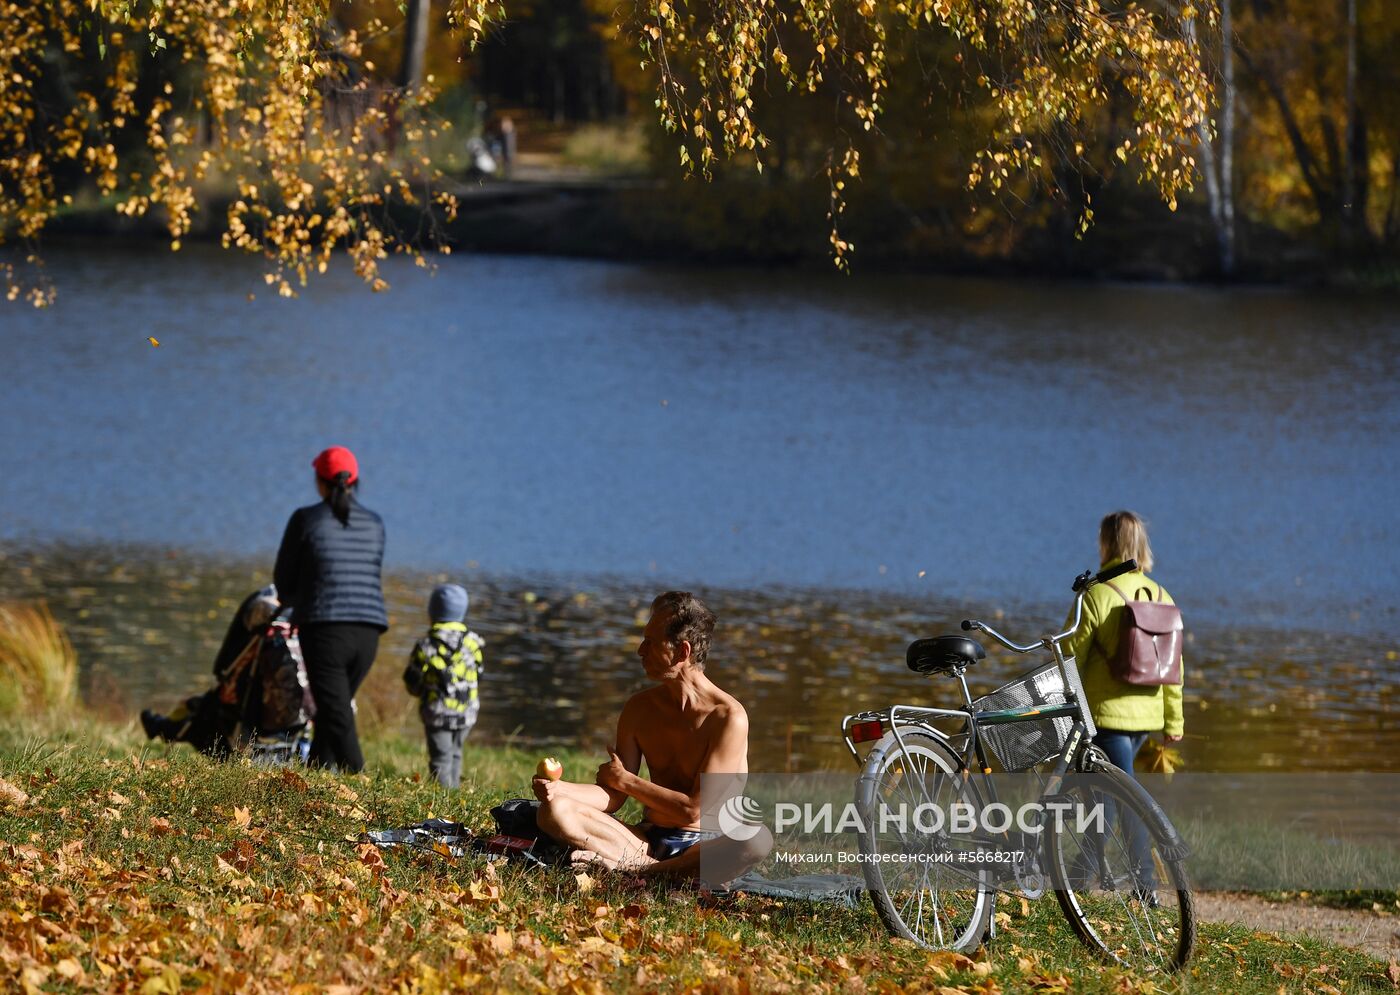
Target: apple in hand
550, 768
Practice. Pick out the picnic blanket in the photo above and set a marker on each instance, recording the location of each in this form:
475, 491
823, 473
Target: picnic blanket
456, 840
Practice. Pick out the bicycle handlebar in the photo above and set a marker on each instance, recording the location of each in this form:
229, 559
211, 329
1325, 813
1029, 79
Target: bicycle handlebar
1082, 583
1086, 580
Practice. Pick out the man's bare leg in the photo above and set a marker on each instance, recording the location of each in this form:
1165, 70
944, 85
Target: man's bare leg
594, 833
724, 859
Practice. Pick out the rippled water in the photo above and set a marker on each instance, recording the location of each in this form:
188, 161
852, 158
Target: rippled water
843, 463
561, 660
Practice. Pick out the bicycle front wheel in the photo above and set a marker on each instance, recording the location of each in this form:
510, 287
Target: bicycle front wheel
1118, 879
918, 893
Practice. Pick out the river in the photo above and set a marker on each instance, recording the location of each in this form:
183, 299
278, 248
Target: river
842, 464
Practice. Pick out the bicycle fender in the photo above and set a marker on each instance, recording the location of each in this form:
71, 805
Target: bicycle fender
887, 742
1161, 827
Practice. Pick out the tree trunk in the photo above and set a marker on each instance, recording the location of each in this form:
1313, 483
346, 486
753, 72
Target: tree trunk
1218, 168
1319, 185
1353, 158
415, 44
1227, 138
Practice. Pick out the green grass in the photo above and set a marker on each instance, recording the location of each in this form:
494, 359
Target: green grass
1236, 853
609, 149
148, 867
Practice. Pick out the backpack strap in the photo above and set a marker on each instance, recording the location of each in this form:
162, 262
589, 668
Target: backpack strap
1127, 600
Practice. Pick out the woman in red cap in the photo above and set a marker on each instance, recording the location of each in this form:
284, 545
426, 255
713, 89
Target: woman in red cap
328, 570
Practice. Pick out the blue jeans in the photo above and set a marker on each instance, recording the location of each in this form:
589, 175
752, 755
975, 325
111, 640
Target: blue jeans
1122, 748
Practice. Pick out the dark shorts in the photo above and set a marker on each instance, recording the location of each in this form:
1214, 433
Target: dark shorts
663, 842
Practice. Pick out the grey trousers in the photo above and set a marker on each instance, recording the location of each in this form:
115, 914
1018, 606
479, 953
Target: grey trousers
445, 754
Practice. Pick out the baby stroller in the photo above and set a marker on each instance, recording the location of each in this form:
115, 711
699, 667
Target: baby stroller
261, 705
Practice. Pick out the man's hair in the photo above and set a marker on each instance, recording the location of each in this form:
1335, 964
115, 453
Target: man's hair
1123, 536
687, 618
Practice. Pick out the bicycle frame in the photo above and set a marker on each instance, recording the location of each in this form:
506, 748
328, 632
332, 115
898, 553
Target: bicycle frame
1033, 854
1076, 707
902, 718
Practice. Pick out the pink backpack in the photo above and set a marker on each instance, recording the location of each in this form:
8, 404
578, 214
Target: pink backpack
1149, 641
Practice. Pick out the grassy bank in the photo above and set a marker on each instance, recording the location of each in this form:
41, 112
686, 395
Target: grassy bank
147, 868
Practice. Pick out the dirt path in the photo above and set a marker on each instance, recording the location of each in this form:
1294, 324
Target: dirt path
1371, 932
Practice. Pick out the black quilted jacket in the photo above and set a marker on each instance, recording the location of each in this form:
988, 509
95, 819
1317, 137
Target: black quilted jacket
330, 572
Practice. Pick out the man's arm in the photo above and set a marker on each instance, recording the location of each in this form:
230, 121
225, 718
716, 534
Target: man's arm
597, 795
727, 754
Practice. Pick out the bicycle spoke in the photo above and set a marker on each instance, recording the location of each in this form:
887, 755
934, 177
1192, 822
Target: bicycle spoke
910, 892
1113, 877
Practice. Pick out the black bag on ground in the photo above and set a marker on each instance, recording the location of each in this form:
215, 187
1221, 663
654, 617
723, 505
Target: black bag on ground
517, 817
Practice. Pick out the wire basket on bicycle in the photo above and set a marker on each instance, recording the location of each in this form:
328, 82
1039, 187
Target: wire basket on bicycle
1022, 745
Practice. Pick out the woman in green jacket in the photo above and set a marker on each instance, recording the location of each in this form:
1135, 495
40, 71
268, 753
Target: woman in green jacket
1124, 713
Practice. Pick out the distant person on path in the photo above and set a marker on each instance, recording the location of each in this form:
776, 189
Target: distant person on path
329, 570
442, 674
683, 727
1124, 713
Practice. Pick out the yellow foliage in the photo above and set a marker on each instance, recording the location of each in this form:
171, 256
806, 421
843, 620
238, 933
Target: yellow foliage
38, 668
1158, 758
282, 102
1055, 65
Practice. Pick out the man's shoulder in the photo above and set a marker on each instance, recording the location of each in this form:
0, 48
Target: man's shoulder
727, 709
731, 711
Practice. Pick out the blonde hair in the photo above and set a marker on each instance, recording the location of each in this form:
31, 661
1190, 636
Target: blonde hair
1123, 536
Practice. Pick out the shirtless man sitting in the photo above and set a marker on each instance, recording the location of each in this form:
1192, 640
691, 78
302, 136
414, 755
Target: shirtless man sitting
684, 727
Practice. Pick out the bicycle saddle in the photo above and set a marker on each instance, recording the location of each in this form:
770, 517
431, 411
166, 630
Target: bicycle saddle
943, 654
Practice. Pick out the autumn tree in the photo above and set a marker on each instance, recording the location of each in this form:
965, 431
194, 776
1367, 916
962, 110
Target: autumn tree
144, 100
1325, 128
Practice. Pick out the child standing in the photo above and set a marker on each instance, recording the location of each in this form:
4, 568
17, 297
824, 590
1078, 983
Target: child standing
442, 673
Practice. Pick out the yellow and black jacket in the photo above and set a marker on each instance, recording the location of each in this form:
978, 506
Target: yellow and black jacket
442, 673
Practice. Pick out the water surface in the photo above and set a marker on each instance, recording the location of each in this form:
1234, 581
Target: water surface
881, 453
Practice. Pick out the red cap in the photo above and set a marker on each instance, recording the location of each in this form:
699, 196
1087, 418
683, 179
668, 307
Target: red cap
335, 460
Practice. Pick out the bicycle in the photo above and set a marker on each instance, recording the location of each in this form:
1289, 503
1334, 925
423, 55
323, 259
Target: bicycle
1120, 879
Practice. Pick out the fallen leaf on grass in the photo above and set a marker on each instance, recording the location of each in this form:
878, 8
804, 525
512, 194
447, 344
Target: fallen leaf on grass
481, 892
242, 818
11, 795
584, 882
240, 856
1392, 972
721, 944
501, 941
370, 856
161, 826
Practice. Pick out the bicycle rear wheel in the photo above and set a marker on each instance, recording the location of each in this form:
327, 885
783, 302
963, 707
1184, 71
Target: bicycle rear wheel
941, 906
1120, 880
